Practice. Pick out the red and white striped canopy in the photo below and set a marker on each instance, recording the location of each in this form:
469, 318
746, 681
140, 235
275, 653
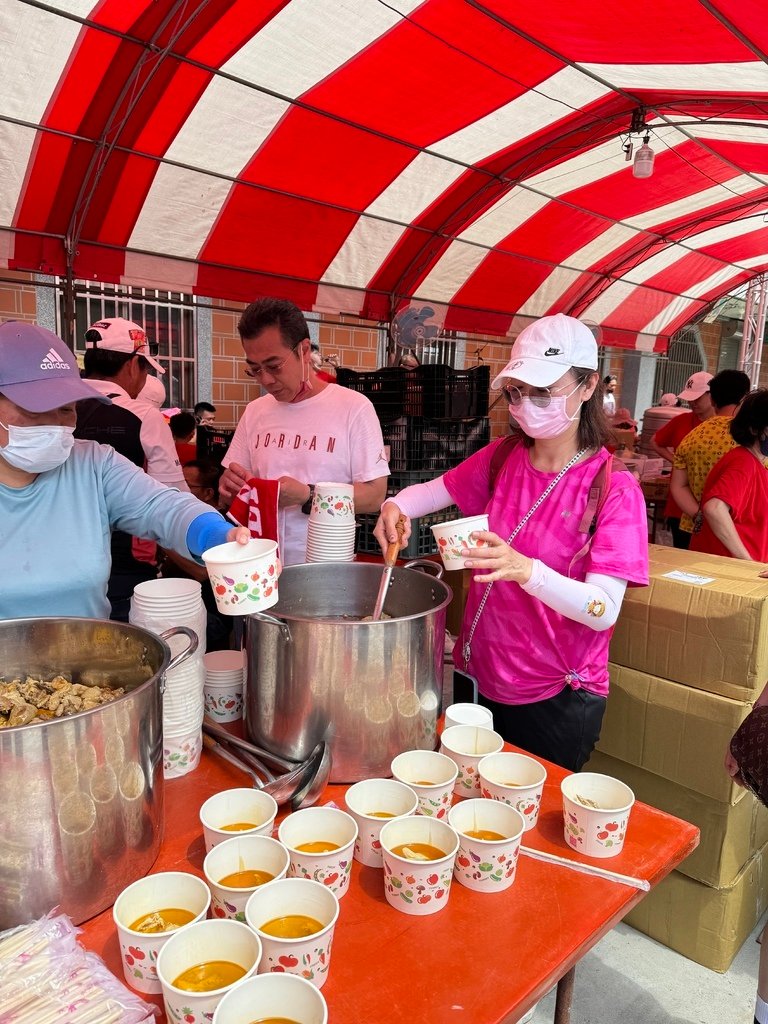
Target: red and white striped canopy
352, 154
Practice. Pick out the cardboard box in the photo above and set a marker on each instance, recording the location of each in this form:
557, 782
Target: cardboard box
707, 925
673, 731
730, 834
706, 625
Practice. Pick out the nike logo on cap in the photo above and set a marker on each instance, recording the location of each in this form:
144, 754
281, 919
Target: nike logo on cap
53, 361
553, 352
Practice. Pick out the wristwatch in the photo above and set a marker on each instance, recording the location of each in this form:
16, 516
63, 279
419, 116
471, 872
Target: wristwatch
306, 508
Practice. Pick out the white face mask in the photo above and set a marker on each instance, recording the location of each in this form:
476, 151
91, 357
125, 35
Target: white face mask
548, 422
37, 449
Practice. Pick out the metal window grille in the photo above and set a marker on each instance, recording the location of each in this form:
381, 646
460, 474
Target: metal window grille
684, 356
167, 317
448, 348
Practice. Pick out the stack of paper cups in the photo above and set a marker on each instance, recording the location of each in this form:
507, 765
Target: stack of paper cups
158, 605
331, 528
223, 690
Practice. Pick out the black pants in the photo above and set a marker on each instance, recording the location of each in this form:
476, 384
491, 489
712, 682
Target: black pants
680, 538
563, 729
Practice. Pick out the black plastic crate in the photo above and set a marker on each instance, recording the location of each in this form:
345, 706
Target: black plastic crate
384, 388
420, 543
212, 442
417, 443
437, 391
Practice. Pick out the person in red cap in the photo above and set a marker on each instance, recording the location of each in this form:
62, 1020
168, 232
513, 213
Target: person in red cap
566, 535
668, 438
60, 498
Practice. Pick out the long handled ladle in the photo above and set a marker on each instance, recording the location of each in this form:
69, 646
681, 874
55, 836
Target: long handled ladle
283, 788
390, 558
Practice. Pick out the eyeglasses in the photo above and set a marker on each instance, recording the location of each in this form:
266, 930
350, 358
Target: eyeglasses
271, 367
539, 396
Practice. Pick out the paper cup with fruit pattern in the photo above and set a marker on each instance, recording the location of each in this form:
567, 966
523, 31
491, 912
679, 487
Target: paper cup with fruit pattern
277, 997
596, 811
243, 576
371, 803
333, 504
418, 887
229, 807
308, 956
515, 779
321, 826
452, 537
224, 703
486, 862
467, 745
201, 943
181, 751
242, 853
174, 890
431, 776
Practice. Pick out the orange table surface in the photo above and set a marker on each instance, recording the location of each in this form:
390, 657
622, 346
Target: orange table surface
485, 958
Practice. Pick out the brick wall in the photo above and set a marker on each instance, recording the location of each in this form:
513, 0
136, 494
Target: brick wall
18, 300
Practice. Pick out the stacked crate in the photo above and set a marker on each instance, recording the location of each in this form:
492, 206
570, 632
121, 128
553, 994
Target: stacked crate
689, 655
432, 417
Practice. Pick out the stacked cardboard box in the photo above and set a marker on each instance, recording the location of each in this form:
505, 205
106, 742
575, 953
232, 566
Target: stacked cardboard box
688, 657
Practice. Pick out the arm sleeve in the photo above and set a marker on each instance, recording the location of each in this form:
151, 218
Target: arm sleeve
594, 602
420, 499
206, 531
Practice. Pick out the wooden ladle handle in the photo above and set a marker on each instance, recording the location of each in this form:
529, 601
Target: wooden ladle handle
394, 548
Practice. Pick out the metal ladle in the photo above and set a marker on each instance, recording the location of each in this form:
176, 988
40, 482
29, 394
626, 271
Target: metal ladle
282, 789
250, 748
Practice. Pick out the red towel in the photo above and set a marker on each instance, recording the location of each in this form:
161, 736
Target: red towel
256, 507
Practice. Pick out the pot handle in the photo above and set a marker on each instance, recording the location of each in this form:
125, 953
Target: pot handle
430, 568
274, 621
182, 656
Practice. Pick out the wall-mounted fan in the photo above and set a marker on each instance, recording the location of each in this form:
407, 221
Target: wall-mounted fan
414, 325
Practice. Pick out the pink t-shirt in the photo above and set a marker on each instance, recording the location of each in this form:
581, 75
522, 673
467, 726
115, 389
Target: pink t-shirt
522, 650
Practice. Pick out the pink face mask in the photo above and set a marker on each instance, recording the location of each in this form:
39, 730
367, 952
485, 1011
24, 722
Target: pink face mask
550, 421
306, 383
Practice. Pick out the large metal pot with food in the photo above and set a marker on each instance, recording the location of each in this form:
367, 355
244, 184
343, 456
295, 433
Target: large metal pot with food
317, 670
81, 777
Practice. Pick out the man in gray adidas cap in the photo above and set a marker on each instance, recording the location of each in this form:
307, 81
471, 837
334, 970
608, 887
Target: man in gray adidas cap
60, 499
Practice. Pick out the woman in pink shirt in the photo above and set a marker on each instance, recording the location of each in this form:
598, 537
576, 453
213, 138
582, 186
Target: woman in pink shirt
550, 579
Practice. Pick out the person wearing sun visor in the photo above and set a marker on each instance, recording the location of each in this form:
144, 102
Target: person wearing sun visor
566, 535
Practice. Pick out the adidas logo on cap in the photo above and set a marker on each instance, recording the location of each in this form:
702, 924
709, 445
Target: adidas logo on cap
53, 361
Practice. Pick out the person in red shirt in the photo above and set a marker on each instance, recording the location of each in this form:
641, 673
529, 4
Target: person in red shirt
666, 440
735, 495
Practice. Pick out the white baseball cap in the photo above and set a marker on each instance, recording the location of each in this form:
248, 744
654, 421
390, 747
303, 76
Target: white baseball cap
545, 349
696, 386
116, 334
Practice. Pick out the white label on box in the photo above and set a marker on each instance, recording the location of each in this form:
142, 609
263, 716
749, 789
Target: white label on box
689, 577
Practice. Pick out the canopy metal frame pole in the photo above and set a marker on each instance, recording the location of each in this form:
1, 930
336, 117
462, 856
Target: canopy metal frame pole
751, 349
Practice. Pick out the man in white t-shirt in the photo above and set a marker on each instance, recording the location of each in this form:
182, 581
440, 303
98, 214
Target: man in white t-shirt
304, 430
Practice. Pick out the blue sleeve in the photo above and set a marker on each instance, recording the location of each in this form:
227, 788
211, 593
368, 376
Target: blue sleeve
206, 531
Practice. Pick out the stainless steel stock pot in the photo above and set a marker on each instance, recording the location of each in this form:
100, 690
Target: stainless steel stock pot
317, 671
81, 797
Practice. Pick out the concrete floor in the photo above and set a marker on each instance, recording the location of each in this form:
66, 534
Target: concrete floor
631, 979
